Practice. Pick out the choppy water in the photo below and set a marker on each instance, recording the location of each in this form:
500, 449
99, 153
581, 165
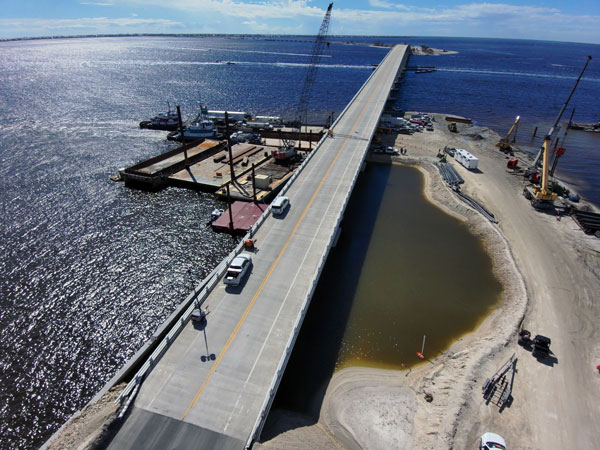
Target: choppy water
88, 269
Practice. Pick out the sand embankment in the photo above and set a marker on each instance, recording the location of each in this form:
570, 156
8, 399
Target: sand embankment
550, 272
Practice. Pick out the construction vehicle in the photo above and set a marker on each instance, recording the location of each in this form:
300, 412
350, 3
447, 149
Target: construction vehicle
540, 195
558, 152
288, 151
539, 345
504, 144
452, 127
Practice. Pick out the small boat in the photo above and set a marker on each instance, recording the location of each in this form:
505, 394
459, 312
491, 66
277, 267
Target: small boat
199, 129
167, 121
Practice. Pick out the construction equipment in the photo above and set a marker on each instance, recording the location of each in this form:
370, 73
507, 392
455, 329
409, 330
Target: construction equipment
288, 150
504, 144
452, 127
558, 152
539, 195
539, 345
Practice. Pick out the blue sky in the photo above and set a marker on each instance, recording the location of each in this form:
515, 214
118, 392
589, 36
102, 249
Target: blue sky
547, 20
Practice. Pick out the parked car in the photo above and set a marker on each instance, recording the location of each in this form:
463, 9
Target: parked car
237, 269
392, 151
491, 441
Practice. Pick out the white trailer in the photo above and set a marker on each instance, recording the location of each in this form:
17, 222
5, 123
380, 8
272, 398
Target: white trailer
258, 125
466, 159
232, 115
270, 119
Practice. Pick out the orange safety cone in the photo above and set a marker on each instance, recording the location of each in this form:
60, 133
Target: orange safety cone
420, 355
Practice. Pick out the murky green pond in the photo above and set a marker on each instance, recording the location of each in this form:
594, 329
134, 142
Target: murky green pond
402, 269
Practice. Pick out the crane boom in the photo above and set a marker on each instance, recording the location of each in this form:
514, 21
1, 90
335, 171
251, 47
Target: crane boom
288, 151
548, 136
504, 144
315, 58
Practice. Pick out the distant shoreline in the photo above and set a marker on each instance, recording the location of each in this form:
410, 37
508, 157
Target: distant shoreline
421, 50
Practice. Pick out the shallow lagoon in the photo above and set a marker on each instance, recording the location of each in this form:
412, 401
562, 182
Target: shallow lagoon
402, 269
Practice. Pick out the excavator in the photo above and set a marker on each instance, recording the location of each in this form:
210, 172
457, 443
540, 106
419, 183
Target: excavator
540, 195
504, 144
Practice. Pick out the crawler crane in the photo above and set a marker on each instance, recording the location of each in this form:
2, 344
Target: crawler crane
288, 150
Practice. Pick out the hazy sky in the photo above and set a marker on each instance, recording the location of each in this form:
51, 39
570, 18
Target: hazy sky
557, 20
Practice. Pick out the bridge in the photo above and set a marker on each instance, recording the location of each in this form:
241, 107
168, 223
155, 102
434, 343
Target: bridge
212, 385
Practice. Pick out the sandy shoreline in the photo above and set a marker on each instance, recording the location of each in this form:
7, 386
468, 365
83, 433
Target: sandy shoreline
377, 409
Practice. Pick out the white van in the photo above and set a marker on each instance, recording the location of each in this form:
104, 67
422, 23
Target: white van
279, 205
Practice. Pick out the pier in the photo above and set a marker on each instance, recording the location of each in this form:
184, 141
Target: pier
211, 386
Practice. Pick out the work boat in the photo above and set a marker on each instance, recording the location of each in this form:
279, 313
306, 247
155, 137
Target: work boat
200, 128
168, 119
164, 121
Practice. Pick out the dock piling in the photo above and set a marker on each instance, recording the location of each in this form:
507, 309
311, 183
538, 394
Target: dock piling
229, 208
182, 136
253, 185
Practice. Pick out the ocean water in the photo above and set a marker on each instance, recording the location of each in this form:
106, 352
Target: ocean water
89, 269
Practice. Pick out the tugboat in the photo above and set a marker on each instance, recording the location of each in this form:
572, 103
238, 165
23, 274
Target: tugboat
164, 121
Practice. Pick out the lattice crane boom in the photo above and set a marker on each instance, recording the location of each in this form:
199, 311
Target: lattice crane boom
315, 58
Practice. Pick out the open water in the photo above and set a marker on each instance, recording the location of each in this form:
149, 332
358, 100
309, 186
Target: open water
88, 269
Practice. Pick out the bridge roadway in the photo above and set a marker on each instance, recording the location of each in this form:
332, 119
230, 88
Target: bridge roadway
191, 401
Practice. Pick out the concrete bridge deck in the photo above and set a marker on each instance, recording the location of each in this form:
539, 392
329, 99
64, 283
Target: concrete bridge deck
214, 385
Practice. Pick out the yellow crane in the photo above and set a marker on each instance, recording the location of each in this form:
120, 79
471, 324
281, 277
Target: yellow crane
540, 195
504, 144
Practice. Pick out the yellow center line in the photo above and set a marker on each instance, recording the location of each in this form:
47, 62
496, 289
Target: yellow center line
272, 268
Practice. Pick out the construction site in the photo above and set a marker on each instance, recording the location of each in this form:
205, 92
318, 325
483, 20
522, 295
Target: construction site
541, 392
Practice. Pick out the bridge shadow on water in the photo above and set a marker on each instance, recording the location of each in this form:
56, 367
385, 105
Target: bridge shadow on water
313, 360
